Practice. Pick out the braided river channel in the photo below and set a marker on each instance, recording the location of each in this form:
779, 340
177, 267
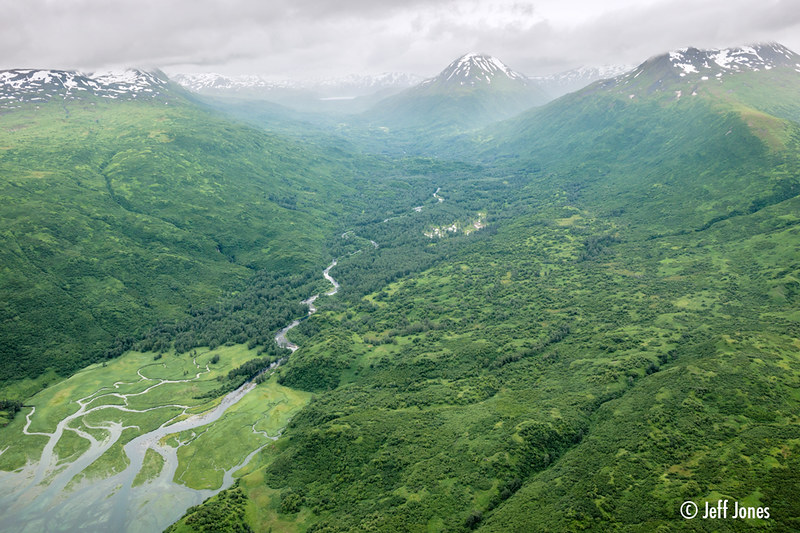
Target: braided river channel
50, 496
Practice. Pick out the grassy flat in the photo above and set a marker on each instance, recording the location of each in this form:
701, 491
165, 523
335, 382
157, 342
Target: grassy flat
151, 467
227, 442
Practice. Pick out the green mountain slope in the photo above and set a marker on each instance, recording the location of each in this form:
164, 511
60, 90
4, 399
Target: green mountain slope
117, 214
686, 150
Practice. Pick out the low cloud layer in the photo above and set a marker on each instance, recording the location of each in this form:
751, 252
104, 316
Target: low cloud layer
311, 38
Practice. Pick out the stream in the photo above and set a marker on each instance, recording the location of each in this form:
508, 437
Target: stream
39, 496
280, 338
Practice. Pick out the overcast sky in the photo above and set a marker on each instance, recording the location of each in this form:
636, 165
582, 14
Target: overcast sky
304, 39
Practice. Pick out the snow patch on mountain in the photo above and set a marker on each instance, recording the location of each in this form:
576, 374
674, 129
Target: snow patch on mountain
677, 59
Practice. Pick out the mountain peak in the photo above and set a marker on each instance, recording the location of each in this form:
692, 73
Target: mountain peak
687, 70
472, 91
473, 69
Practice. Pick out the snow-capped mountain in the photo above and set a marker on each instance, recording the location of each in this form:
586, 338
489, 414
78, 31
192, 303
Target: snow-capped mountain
30, 85
472, 91
341, 87
688, 70
573, 80
475, 70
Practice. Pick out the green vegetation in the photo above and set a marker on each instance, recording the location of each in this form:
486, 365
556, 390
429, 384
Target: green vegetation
221, 514
19, 449
119, 214
151, 467
8, 409
618, 335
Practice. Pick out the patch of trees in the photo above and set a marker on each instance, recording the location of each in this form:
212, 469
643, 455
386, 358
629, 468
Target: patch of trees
224, 513
557, 335
595, 246
319, 373
251, 315
285, 201
11, 407
543, 442
785, 190
239, 375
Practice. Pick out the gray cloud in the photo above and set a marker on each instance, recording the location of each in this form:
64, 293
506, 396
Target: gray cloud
309, 38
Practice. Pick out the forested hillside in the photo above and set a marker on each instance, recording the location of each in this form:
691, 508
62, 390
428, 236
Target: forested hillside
118, 214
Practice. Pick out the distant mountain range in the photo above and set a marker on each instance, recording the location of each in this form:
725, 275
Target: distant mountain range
576, 79
30, 85
381, 97
472, 91
350, 86
474, 72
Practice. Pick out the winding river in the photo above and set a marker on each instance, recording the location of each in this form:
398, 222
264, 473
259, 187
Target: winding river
44, 496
